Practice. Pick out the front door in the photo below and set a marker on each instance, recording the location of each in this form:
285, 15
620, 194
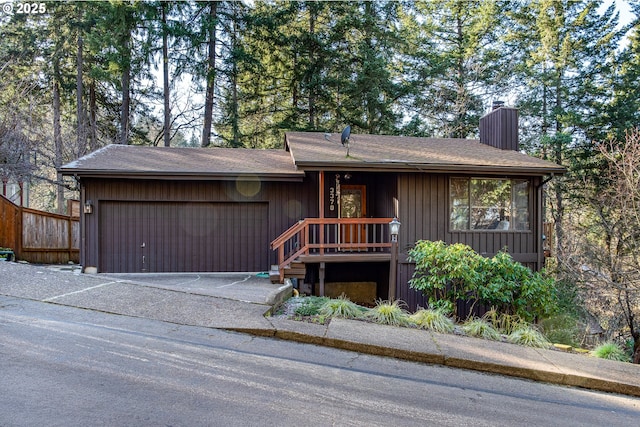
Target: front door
353, 204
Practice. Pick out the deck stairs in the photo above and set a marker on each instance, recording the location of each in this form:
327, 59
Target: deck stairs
322, 240
295, 270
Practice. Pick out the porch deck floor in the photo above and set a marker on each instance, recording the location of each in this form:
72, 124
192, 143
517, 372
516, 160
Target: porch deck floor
346, 257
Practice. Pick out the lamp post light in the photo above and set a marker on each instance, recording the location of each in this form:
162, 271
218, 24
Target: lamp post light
394, 230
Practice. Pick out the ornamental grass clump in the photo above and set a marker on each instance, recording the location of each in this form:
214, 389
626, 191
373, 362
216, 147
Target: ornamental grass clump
480, 328
528, 337
504, 323
434, 320
310, 306
388, 313
341, 307
610, 351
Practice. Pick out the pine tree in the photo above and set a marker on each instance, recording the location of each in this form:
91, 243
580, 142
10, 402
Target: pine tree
564, 52
623, 112
458, 57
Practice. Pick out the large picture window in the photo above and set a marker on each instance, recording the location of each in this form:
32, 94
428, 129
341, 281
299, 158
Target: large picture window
489, 204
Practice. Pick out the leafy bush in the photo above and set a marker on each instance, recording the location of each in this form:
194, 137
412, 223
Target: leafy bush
561, 329
341, 307
435, 320
457, 272
529, 337
481, 328
445, 272
611, 351
388, 313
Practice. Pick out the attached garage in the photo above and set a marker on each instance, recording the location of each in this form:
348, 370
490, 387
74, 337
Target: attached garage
182, 237
157, 209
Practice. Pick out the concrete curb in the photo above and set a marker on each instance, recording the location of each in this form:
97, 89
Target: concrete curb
280, 295
318, 335
189, 307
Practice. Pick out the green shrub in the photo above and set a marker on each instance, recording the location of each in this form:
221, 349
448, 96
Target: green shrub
435, 320
456, 272
528, 337
310, 306
480, 328
610, 351
341, 307
388, 313
569, 299
561, 329
445, 272
515, 289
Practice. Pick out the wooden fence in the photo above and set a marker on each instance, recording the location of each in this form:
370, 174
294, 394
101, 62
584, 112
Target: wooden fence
39, 237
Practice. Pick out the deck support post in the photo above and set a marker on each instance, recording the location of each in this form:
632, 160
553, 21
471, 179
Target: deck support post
393, 271
321, 212
321, 271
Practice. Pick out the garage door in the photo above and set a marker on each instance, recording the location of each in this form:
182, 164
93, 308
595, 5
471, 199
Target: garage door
183, 237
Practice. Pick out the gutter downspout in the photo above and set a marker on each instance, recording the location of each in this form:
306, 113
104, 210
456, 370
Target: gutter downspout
541, 210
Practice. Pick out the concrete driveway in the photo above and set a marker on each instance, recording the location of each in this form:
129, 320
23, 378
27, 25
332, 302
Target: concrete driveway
205, 299
245, 287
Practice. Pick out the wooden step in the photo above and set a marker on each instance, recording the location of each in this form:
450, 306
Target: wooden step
295, 270
274, 274
295, 273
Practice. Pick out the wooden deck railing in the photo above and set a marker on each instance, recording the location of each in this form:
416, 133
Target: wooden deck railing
320, 236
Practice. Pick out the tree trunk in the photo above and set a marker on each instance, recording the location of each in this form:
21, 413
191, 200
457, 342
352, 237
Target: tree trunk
126, 95
57, 135
81, 131
235, 126
558, 158
459, 106
211, 75
92, 117
312, 59
165, 72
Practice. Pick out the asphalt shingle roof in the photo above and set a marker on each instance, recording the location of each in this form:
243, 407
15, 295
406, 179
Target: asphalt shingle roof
311, 151
129, 160
314, 151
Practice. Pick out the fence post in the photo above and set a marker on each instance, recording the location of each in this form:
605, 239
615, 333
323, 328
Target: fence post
18, 232
69, 236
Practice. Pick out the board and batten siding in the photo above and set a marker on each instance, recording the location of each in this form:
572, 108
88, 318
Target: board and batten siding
258, 205
424, 214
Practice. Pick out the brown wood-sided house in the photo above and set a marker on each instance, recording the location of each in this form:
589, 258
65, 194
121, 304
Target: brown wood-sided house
152, 209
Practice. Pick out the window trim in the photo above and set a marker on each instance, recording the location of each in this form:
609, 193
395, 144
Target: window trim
530, 202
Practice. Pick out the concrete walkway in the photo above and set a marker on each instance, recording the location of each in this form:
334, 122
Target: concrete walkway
239, 302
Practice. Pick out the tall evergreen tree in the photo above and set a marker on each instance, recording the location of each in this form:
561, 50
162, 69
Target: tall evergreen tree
565, 52
461, 61
209, 24
623, 110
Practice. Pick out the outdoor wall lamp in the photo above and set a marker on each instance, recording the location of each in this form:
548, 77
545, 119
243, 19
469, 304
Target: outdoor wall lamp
88, 207
394, 229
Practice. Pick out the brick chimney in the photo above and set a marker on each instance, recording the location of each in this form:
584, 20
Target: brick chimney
499, 128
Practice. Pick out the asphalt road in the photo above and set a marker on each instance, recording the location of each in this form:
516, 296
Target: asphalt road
63, 366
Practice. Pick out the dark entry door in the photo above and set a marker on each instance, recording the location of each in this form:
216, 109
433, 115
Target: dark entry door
183, 237
353, 204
